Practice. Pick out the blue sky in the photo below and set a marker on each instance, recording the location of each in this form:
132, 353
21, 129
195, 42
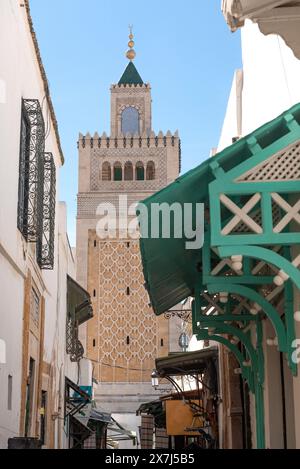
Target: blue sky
184, 49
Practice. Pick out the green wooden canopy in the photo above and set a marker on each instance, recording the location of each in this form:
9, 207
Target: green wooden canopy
171, 271
78, 302
182, 364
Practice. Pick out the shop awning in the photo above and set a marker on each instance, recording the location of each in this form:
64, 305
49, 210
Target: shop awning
79, 302
280, 17
171, 271
182, 364
100, 416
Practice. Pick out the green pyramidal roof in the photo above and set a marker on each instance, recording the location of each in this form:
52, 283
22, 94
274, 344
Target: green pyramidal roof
131, 76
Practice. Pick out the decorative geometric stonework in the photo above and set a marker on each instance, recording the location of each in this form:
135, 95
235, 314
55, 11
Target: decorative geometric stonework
134, 155
89, 203
124, 322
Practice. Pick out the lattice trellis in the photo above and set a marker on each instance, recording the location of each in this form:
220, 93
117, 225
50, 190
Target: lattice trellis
283, 166
246, 221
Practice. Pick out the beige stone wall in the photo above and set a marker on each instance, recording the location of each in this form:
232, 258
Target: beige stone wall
136, 96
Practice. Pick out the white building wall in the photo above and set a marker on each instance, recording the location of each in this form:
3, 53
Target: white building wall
20, 77
271, 76
11, 291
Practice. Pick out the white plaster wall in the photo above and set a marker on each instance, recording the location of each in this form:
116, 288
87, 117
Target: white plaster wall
233, 118
271, 77
11, 291
20, 73
78, 373
19, 78
64, 367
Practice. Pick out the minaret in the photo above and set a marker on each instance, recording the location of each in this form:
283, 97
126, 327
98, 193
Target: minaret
124, 337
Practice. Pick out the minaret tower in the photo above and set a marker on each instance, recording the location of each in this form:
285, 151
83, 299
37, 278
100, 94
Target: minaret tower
124, 337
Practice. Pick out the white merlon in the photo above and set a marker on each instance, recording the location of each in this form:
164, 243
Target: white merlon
131, 140
133, 86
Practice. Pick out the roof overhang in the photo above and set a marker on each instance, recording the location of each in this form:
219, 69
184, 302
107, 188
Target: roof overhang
79, 302
188, 363
171, 271
280, 17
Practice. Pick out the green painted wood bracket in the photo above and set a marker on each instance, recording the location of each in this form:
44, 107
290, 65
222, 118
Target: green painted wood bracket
290, 325
254, 380
251, 351
227, 318
271, 239
267, 308
246, 278
266, 255
247, 372
216, 170
260, 416
248, 188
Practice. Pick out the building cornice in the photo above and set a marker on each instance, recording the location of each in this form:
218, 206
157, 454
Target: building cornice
44, 78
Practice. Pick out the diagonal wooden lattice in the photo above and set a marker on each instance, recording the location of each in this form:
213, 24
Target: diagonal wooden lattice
212, 305
282, 275
262, 264
241, 214
292, 212
270, 296
283, 166
224, 263
257, 217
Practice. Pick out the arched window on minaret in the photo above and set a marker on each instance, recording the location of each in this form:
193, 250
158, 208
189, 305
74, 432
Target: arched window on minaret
130, 121
140, 171
150, 172
118, 172
128, 172
106, 172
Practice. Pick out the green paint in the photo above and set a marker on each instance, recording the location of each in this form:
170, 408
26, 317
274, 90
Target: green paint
264, 254
131, 76
267, 308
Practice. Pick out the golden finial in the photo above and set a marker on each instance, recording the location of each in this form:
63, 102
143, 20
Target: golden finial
131, 53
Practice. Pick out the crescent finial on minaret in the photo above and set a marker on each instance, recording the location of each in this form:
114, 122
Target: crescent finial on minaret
131, 54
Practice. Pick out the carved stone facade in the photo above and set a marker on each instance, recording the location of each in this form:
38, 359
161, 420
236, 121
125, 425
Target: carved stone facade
123, 96
124, 337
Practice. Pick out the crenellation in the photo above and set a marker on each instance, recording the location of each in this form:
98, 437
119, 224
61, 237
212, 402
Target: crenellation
117, 87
